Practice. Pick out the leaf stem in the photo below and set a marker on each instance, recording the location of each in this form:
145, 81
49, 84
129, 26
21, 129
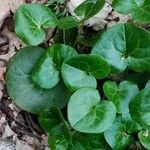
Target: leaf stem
64, 121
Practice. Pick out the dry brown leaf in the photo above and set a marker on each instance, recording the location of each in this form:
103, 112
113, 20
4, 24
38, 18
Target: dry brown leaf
14, 4
8, 132
31, 141
14, 43
4, 10
6, 6
7, 145
21, 145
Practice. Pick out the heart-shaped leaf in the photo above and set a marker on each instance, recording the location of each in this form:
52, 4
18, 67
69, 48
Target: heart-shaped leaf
23, 91
87, 114
129, 46
120, 95
83, 12
59, 141
49, 119
46, 70
144, 137
97, 142
117, 136
139, 9
140, 108
30, 22
131, 125
60, 135
147, 84
86, 68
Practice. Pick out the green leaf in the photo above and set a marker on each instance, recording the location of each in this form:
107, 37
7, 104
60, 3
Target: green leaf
83, 12
140, 108
23, 91
60, 52
30, 22
144, 137
60, 135
49, 119
129, 46
120, 95
59, 141
89, 8
131, 125
117, 136
68, 22
97, 142
87, 114
139, 9
86, 68
66, 36
46, 71
147, 84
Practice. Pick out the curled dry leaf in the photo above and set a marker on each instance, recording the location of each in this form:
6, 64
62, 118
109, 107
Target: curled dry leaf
116, 17
7, 132
4, 10
21, 145
8, 5
14, 43
7, 145
14, 4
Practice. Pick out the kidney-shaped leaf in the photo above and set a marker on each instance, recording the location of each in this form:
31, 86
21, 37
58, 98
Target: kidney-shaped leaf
84, 11
144, 137
23, 91
83, 70
121, 95
117, 136
30, 22
139, 9
140, 108
87, 114
97, 141
58, 140
49, 119
129, 46
46, 71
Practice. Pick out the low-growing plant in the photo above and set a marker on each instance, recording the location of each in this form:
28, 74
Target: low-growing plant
102, 111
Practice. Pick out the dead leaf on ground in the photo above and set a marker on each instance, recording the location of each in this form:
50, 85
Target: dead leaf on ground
7, 144
21, 145
14, 4
4, 10
14, 43
6, 6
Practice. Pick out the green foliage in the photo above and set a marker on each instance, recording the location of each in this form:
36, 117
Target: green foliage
65, 87
122, 95
83, 12
140, 108
87, 114
129, 46
138, 9
87, 68
25, 93
144, 137
46, 71
117, 136
30, 22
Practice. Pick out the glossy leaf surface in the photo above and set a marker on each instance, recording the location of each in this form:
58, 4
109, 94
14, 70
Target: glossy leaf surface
30, 22
87, 114
23, 91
